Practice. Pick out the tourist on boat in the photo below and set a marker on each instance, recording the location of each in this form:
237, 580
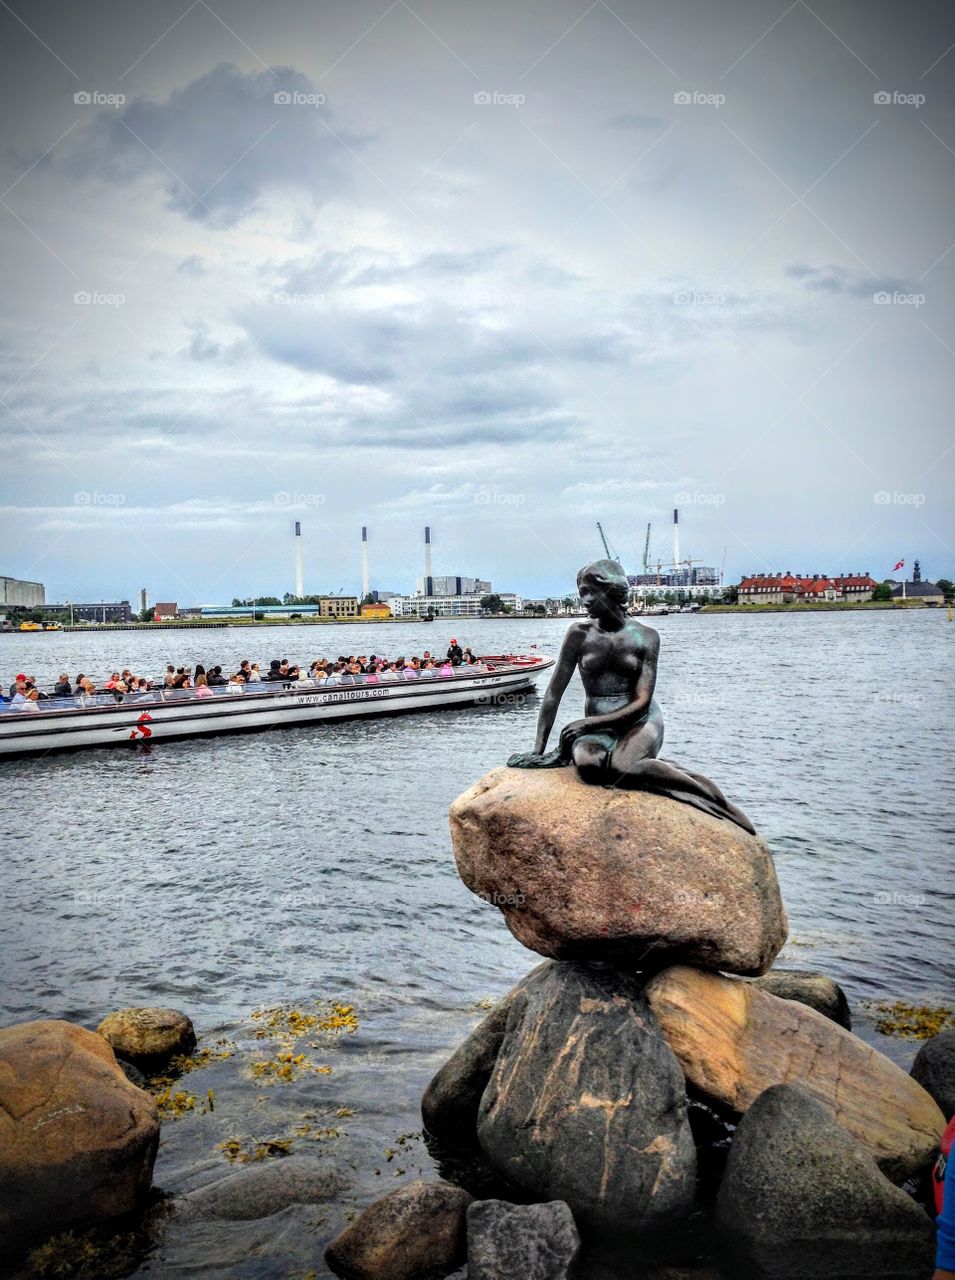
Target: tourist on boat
255, 675
28, 700
63, 688
169, 679
455, 652
202, 687
215, 678
19, 685
199, 671
236, 683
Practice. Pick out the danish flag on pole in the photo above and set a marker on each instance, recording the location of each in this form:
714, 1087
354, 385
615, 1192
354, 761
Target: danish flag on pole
900, 565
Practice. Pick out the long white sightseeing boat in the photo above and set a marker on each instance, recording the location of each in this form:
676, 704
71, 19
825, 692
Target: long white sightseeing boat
99, 720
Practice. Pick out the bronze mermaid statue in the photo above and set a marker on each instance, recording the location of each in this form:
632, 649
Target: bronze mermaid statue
617, 744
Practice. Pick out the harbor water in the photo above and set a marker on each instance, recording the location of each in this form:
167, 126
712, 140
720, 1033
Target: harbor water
228, 875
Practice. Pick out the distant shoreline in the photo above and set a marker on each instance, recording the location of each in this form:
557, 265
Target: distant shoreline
820, 606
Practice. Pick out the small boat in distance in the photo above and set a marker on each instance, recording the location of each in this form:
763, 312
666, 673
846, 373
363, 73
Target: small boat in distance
101, 720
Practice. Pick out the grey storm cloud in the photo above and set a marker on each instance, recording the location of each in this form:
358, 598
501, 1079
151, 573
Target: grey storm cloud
220, 142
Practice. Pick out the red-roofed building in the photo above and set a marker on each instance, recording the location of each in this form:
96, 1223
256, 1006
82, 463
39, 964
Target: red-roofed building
790, 588
166, 612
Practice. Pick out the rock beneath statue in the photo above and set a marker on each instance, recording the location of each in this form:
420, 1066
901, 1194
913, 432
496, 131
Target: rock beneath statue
630, 877
450, 1104
934, 1069
532, 1241
816, 990
260, 1190
418, 1230
77, 1140
802, 1200
148, 1038
587, 1104
734, 1041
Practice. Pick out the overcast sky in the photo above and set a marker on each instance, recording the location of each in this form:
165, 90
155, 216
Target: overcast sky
501, 268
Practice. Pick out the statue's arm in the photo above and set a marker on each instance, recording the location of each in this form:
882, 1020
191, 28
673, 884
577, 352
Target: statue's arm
566, 666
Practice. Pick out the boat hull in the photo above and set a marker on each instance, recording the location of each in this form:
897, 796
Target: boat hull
165, 718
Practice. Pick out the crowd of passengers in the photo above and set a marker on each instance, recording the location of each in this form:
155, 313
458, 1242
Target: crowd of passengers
25, 694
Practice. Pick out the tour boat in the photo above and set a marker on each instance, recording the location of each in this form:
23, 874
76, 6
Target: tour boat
99, 720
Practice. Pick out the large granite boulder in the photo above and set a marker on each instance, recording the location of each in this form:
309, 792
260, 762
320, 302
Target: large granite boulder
802, 1200
532, 1241
586, 1103
77, 1140
733, 1041
816, 990
148, 1038
418, 1230
585, 872
450, 1104
934, 1069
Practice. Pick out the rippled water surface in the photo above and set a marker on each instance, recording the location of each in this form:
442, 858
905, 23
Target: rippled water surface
224, 875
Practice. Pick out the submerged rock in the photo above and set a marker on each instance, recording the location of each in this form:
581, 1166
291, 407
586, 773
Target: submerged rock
148, 1038
450, 1104
585, 872
532, 1241
77, 1140
816, 990
416, 1231
802, 1200
934, 1069
733, 1041
260, 1190
586, 1102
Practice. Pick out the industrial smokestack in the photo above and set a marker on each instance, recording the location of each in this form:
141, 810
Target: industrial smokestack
299, 581
428, 582
364, 563
676, 539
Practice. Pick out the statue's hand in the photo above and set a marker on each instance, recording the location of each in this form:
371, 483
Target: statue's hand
569, 735
535, 760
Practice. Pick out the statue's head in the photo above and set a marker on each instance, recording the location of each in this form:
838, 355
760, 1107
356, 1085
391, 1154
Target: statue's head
603, 587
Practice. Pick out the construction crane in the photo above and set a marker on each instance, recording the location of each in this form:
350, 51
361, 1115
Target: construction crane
723, 565
646, 552
611, 554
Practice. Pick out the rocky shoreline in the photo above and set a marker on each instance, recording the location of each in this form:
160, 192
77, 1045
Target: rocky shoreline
652, 1099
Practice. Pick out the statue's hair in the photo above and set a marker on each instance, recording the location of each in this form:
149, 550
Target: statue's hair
609, 578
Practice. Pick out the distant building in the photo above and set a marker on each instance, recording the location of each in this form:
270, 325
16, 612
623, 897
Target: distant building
452, 586
338, 606
376, 611
142, 602
93, 611
793, 588
453, 606
18, 593
166, 612
927, 592
703, 575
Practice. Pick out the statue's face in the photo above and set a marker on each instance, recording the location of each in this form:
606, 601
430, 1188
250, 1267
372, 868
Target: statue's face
594, 598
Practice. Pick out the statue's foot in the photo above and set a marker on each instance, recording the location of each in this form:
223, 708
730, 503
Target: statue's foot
532, 760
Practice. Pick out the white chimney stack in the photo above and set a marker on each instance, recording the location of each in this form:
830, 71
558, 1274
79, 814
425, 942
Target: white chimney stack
364, 563
427, 561
299, 581
676, 539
